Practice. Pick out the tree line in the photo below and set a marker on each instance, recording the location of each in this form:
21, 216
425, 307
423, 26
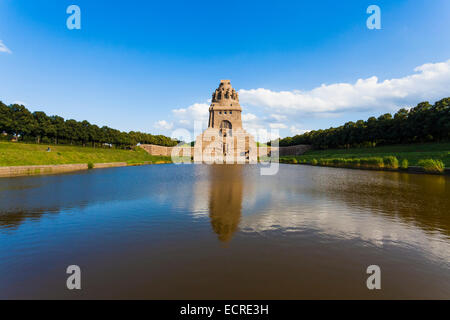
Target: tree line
423, 123
16, 120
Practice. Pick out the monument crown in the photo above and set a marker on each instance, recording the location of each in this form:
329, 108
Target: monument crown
225, 95
225, 109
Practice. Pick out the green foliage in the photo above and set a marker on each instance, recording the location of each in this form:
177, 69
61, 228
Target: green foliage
358, 158
354, 162
5, 137
372, 163
390, 162
404, 164
90, 165
16, 120
412, 152
294, 161
431, 165
423, 123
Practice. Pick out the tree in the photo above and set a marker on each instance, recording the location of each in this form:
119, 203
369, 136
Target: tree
425, 122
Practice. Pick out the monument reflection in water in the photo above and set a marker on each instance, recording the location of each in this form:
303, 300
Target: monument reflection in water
225, 199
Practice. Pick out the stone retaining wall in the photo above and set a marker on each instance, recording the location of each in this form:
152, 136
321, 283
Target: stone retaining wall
294, 150
18, 171
189, 151
110, 165
36, 170
155, 150
284, 151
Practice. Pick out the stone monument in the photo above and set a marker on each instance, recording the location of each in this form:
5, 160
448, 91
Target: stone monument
225, 141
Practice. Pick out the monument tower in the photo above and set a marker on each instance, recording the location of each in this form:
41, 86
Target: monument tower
225, 110
225, 141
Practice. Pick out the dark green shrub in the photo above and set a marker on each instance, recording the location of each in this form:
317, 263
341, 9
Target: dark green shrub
431, 165
353, 163
90, 165
336, 162
404, 164
391, 162
372, 163
314, 162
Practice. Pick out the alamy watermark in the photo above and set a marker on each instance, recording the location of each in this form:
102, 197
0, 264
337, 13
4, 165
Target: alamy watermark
227, 147
215, 148
374, 20
374, 280
74, 280
73, 22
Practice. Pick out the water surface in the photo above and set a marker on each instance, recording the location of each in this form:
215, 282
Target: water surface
209, 232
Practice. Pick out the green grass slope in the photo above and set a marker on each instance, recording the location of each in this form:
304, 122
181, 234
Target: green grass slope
21, 154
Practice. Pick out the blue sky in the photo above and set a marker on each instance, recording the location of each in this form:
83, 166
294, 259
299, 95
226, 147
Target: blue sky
153, 65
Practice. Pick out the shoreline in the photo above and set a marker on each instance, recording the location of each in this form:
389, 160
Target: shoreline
411, 169
39, 170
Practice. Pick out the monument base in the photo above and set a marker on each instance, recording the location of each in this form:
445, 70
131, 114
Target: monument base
222, 146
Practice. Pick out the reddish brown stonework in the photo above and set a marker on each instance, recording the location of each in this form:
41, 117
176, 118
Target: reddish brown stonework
17, 171
225, 141
225, 110
155, 150
294, 150
284, 151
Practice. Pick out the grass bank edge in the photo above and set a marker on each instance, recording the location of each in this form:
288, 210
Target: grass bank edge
374, 163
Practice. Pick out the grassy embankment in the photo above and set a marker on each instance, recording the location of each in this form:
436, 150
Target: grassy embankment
21, 154
433, 157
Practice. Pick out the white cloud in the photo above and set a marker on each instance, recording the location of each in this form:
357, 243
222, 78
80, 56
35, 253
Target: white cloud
278, 117
4, 48
430, 81
21, 103
280, 111
248, 117
277, 126
164, 125
296, 130
195, 112
251, 122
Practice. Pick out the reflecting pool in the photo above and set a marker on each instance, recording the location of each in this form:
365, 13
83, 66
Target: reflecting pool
225, 232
